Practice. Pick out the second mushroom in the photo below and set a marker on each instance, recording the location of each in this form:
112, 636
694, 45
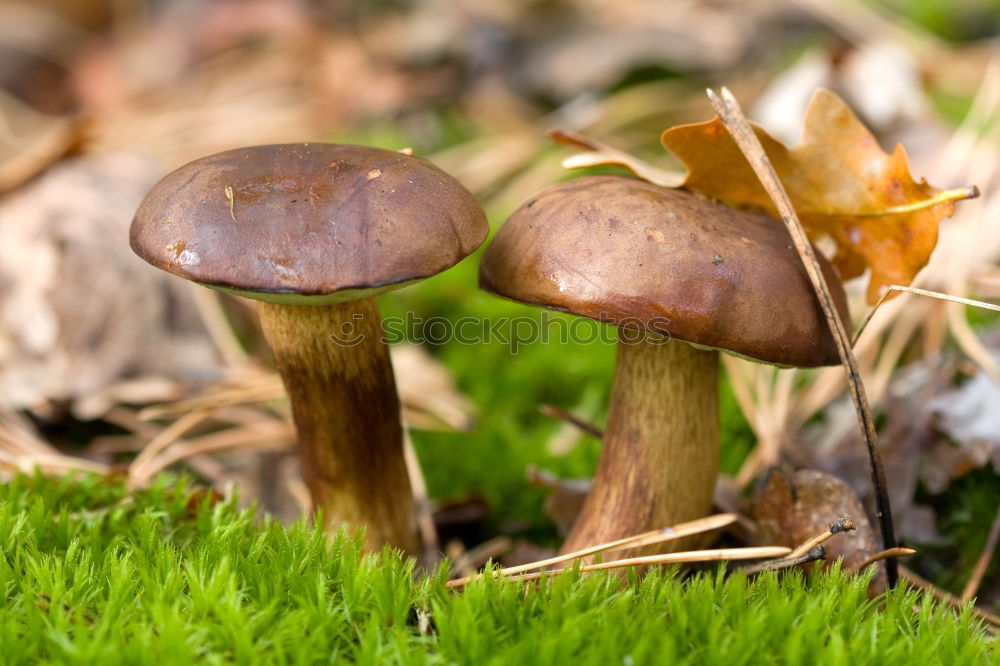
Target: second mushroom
683, 278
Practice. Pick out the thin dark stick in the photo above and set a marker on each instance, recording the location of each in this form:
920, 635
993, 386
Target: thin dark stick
561, 414
736, 123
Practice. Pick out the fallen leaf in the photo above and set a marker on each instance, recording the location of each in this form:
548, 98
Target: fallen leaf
791, 507
841, 183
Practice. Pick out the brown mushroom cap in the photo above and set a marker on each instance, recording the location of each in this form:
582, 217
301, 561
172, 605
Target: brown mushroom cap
626, 252
307, 223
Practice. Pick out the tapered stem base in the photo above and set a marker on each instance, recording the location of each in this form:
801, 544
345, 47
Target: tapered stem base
339, 377
660, 454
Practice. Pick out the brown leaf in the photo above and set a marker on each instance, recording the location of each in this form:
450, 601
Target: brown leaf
791, 507
841, 183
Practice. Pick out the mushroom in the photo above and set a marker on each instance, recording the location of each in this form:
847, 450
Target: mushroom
683, 278
313, 232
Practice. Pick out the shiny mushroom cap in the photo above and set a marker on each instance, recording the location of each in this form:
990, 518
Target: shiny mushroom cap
626, 252
307, 223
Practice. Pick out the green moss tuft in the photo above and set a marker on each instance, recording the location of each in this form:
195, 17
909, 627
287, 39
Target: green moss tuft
89, 578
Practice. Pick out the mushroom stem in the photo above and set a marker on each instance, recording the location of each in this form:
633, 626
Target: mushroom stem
338, 375
660, 454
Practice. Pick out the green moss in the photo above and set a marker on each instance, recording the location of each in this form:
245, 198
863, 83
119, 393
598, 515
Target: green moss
87, 578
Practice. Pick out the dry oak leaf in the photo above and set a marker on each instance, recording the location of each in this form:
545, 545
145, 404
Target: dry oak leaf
841, 183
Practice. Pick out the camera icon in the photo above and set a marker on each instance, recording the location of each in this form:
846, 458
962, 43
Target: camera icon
349, 335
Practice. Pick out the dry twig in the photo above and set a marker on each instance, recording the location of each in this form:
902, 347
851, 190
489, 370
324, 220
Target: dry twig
561, 414
842, 525
814, 554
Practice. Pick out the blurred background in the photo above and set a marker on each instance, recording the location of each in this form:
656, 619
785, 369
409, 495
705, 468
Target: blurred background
102, 356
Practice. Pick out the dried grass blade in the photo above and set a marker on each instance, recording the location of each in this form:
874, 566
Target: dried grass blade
920, 292
644, 539
714, 555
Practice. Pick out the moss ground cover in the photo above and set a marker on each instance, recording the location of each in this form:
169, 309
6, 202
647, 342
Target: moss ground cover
163, 577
